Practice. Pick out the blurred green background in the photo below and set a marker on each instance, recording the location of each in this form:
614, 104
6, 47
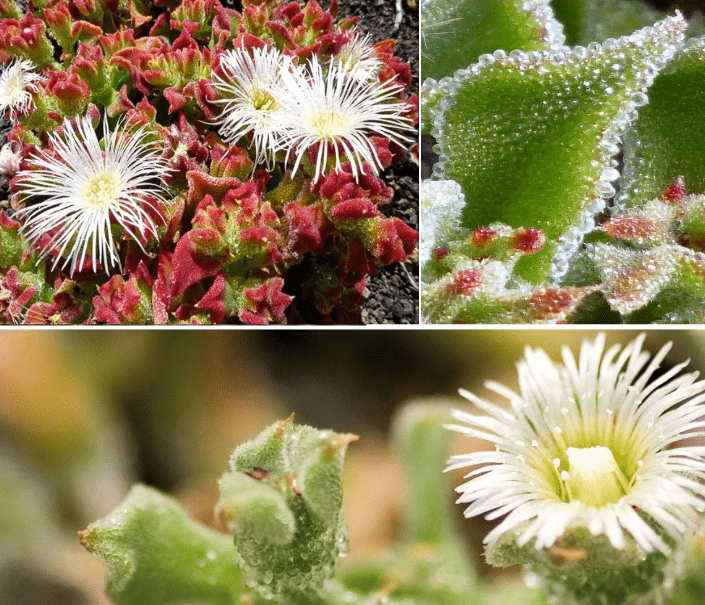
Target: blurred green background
83, 415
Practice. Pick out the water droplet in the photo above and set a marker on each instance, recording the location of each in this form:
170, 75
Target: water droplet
639, 99
211, 555
609, 174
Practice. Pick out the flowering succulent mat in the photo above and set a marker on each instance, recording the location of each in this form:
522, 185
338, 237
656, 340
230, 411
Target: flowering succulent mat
188, 162
570, 170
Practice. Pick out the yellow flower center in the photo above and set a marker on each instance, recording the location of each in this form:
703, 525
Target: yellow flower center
329, 124
102, 189
594, 477
262, 100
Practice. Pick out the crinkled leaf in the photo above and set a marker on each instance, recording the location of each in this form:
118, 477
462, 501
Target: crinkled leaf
479, 293
633, 277
282, 497
156, 555
668, 138
530, 137
456, 32
681, 299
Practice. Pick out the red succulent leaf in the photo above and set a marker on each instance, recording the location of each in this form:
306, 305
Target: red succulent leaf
233, 162
71, 93
25, 38
355, 209
356, 265
124, 302
464, 282
528, 240
281, 34
676, 191
161, 292
340, 186
213, 300
629, 227
415, 153
305, 224
7, 223
266, 303
112, 43
483, 237
247, 41
394, 240
82, 30
205, 94
64, 308
202, 184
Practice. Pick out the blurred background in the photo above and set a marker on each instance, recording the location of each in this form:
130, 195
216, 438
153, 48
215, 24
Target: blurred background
83, 415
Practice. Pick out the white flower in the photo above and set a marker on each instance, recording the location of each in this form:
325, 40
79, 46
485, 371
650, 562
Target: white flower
589, 444
82, 190
339, 111
357, 58
16, 81
248, 98
10, 158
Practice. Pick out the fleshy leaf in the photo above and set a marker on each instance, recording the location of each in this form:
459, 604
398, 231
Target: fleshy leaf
595, 20
586, 569
156, 555
530, 136
668, 138
450, 28
632, 278
431, 567
282, 497
479, 292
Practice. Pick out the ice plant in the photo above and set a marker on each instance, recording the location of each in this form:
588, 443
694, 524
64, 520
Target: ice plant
247, 93
241, 239
338, 114
553, 115
282, 500
76, 192
588, 465
17, 82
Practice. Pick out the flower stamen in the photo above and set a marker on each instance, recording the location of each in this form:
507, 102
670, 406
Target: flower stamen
594, 478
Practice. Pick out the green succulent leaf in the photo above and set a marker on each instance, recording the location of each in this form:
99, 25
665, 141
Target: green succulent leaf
530, 137
282, 497
585, 21
156, 555
448, 43
668, 138
430, 567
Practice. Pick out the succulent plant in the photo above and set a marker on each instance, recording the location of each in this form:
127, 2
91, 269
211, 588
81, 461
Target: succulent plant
282, 500
178, 161
584, 147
